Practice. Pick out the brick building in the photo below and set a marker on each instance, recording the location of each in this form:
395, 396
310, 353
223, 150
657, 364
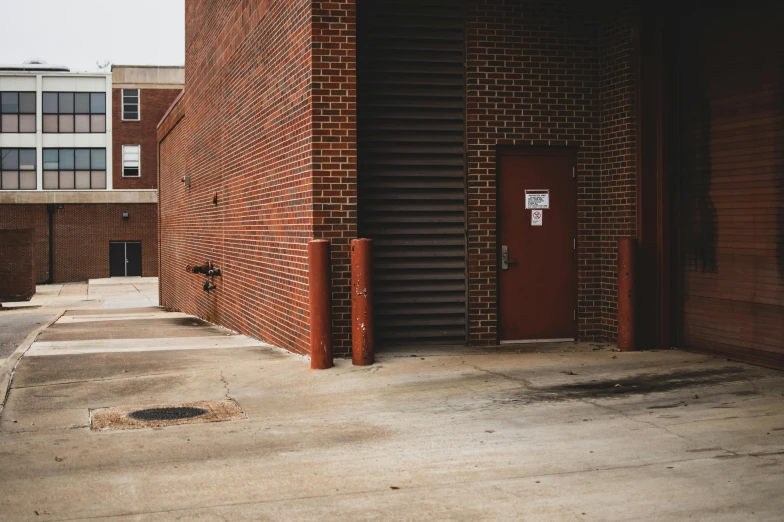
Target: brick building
495, 151
79, 167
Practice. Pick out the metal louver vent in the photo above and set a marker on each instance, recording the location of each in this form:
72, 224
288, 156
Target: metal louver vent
411, 135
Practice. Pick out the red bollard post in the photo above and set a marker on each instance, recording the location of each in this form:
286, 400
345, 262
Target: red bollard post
362, 353
627, 249
320, 297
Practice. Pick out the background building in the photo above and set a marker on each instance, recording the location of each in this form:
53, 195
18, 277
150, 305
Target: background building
79, 166
422, 124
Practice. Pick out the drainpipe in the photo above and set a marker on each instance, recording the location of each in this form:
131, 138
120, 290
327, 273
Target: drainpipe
50, 207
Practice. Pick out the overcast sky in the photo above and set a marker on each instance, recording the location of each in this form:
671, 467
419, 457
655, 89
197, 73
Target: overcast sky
79, 33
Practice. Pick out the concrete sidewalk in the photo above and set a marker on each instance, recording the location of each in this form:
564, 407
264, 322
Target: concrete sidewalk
568, 432
115, 292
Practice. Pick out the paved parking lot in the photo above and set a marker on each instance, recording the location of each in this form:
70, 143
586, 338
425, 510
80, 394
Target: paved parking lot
548, 432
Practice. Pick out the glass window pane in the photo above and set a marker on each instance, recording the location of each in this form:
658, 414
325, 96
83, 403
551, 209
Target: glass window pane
82, 123
10, 180
66, 159
82, 159
26, 159
98, 122
51, 161
82, 179
66, 179
98, 103
98, 179
50, 180
27, 180
27, 123
10, 159
98, 159
10, 123
130, 95
82, 102
66, 123
50, 103
50, 123
10, 102
66, 103
130, 112
27, 102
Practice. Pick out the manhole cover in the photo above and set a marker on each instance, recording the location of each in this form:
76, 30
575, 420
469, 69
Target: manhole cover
154, 414
160, 415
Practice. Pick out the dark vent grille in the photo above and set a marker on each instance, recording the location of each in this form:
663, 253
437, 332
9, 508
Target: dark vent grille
411, 112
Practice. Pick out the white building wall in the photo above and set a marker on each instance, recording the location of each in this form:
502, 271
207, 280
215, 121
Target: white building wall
59, 82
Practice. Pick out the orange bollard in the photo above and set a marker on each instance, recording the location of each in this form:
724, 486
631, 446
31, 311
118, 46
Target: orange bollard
320, 296
362, 353
627, 249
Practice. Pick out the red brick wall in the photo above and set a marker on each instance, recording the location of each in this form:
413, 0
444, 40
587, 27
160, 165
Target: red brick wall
30, 217
82, 233
335, 150
552, 73
17, 267
270, 126
247, 136
81, 236
619, 152
533, 79
154, 103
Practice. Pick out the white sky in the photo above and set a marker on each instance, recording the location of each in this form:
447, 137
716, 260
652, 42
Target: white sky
79, 33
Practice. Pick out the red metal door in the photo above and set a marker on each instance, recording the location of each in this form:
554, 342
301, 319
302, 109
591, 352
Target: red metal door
538, 286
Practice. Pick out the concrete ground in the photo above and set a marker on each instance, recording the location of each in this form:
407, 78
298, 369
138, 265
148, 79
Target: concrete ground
115, 292
14, 328
563, 432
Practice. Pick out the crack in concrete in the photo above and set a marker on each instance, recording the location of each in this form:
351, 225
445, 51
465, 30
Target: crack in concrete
225, 384
520, 380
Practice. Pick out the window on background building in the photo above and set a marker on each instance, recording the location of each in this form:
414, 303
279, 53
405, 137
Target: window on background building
130, 104
17, 112
131, 155
74, 169
74, 112
17, 169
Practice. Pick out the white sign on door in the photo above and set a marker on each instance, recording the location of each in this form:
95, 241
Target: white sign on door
537, 199
536, 218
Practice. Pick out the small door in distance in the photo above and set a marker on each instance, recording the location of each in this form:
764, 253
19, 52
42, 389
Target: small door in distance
538, 289
116, 259
133, 257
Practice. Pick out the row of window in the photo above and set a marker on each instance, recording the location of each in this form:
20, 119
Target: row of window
63, 169
63, 112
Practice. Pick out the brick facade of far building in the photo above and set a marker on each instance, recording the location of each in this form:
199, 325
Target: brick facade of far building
74, 225
291, 108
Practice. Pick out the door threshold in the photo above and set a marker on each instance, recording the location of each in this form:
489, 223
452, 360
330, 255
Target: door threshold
529, 341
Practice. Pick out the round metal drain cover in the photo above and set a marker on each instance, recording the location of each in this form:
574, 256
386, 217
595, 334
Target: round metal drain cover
154, 414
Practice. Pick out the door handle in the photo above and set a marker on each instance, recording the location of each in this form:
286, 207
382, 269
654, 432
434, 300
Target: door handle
505, 261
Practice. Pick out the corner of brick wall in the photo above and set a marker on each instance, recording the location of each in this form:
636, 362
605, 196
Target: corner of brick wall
334, 93
247, 136
619, 152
